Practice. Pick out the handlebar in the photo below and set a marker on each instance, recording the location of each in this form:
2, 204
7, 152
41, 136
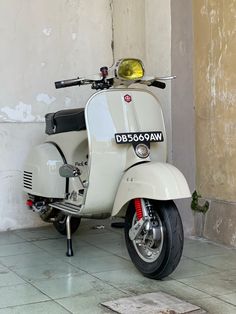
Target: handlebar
158, 84
103, 84
68, 83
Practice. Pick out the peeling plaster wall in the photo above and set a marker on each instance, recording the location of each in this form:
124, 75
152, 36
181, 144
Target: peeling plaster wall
42, 41
215, 97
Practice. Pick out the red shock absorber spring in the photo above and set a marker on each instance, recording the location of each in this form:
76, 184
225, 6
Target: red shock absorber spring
138, 208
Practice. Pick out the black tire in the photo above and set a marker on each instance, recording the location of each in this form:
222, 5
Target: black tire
170, 252
60, 225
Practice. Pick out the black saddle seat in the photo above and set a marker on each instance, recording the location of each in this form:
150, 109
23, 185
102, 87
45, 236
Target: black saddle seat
65, 121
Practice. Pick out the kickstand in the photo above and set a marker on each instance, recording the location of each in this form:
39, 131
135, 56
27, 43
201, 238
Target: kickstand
69, 240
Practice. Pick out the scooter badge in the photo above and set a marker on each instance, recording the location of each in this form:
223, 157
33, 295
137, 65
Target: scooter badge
127, 98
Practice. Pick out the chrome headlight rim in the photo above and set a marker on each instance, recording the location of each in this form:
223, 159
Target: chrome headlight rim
142, 150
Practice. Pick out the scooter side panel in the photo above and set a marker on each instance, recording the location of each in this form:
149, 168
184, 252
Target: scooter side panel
153, 180
41, 172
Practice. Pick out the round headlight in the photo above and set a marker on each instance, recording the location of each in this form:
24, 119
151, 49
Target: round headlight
130, 69
142, 151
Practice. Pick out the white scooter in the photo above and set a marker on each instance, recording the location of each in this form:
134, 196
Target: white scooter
109, 160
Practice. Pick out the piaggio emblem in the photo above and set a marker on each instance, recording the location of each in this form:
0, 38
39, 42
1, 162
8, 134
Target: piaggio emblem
127, 98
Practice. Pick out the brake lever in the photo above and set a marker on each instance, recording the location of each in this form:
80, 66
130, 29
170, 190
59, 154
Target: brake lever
165, 78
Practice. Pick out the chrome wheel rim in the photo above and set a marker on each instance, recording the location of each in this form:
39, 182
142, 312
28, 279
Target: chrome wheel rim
146, 247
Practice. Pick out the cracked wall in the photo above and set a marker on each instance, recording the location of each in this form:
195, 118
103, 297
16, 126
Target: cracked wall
215, 97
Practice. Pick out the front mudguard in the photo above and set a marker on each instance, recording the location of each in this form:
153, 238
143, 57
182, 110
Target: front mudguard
152, 180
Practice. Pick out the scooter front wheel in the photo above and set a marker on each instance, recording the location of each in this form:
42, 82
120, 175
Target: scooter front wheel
60, 224
156, 253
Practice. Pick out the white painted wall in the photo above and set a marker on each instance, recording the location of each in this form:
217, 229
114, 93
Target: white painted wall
42, 41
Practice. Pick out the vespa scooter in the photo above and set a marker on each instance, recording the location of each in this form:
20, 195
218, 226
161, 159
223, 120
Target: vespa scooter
109, 160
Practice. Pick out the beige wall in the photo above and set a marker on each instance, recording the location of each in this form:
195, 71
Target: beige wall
215, 97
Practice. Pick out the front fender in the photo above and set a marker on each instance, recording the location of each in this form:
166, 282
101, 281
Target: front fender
153, 180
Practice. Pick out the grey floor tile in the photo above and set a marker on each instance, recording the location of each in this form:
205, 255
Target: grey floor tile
117, 247
101, 264
56, 269
20, 294
8, 278
86, 251
129, 280
230, 298
19, 248
7, 238
203, 248
92, 224
34, 234
101, 238
215, 306
108, 243
180, 290
51, 245
49, 307
214, 284
190, 268
221, 262
122, 252
28, 260
89, 234
191, 240
88, 304
3, 268
71, 286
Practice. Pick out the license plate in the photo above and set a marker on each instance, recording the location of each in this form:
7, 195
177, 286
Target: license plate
139, 137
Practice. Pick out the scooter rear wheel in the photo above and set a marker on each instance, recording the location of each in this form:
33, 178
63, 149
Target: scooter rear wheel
156, 259
60, 225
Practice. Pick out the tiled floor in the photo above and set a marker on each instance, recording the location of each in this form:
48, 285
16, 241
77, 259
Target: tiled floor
37, 277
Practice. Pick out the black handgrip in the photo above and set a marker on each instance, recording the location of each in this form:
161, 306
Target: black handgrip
68, 83
158, 84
